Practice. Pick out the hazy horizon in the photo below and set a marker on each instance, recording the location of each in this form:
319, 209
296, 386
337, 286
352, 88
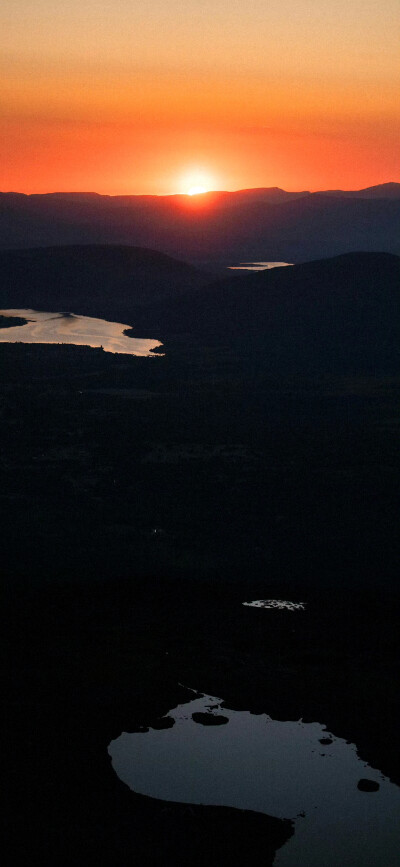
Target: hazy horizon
216, 191
160, 98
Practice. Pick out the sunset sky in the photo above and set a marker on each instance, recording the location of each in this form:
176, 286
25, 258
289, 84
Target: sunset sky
121, 96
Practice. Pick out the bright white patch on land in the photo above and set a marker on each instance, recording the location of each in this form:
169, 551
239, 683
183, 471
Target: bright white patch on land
278, 768
276, 603
70, 328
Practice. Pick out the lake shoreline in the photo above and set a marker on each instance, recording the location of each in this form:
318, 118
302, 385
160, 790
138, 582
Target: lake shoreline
103, 618
42, 327
176, 634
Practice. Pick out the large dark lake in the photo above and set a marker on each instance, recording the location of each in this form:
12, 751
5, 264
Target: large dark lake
291, 770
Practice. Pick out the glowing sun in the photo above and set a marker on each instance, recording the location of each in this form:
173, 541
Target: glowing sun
196, 181
194, 191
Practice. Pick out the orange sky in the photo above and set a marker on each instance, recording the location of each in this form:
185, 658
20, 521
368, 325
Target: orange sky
127, 97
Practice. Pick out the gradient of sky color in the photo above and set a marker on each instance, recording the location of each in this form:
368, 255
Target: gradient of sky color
134, 97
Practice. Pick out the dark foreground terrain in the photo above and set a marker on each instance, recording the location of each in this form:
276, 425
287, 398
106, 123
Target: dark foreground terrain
143, 500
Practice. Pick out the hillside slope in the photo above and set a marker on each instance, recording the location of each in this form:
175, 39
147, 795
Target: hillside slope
329, 316
92, 280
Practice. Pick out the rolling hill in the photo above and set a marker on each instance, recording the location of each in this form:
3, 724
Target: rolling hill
334, 316
92, 280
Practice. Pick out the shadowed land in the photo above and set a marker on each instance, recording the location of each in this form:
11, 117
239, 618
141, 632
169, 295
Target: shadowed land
143, 503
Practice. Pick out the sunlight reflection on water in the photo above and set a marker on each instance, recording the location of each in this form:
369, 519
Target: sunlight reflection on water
276, 603
69, 328
258, 266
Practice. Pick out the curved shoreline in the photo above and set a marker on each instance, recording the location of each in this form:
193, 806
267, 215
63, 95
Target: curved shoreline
33, 327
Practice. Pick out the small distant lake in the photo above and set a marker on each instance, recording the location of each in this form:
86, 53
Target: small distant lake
276, 604
70, 328
259, 266
205, 753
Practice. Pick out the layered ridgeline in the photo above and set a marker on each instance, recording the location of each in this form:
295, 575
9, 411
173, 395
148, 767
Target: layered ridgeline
334, 316
109, 281
213, 228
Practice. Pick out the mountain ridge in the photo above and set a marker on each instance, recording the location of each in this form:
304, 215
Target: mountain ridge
387, 189
212, 230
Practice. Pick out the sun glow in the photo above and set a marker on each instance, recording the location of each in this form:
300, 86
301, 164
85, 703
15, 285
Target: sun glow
195, 191
196, 181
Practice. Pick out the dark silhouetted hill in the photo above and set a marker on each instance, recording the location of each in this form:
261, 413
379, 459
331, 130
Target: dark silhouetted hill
335, 315
214, 229
339, 315
380, 191
92, 280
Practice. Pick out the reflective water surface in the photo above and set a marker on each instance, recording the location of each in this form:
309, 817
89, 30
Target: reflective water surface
285, 769
258, 266
73, 329
280, 604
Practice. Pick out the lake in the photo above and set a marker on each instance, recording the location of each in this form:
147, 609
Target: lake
69, 328
291, 770
258, 266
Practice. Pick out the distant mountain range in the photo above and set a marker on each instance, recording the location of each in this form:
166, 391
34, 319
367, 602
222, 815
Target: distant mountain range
215, 229
381, 191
